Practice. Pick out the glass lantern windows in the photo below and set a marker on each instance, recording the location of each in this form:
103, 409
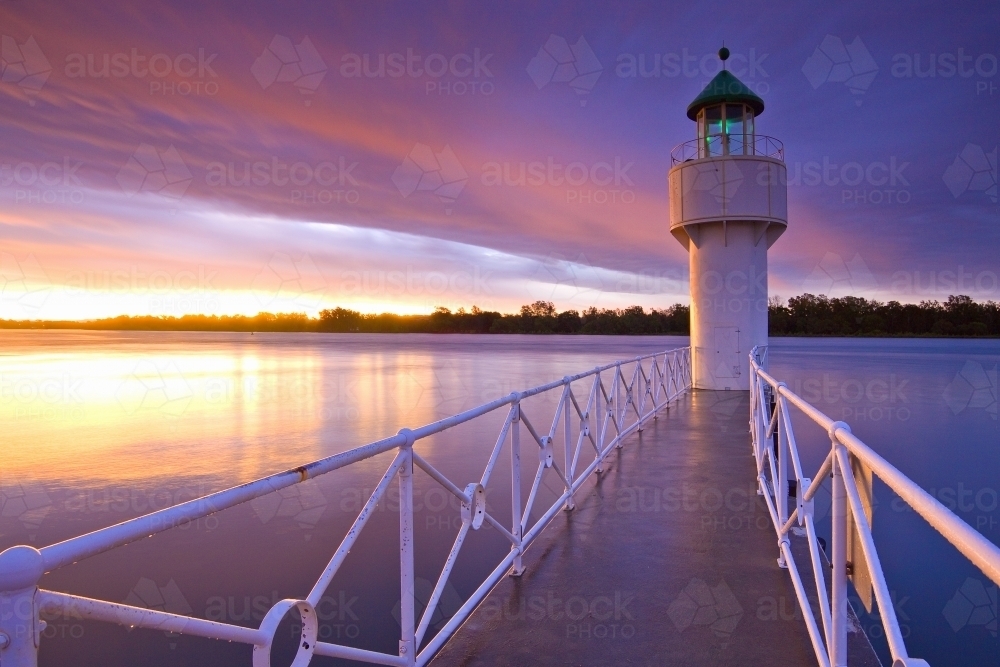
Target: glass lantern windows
733, 129
725, 129
712, 138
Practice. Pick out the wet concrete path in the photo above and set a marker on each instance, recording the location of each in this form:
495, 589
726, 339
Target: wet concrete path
668, 559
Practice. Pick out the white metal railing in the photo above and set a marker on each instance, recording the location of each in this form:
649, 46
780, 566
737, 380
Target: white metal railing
724, 145
851, 463
637, 390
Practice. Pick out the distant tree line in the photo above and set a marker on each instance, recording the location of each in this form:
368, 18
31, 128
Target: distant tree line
258, 322
539, 317
855, 316
805, 315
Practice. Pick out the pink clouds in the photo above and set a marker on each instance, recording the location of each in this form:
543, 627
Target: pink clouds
160, 118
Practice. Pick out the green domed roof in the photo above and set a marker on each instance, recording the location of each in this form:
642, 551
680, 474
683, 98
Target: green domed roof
725, 88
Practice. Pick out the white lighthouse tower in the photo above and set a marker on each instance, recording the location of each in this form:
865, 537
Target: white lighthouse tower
728, 205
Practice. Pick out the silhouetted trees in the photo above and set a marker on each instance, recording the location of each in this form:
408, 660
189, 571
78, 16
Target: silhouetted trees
258, 322
855, 316
806, 315
539, 317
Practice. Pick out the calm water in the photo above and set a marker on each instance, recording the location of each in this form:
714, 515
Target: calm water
99, 427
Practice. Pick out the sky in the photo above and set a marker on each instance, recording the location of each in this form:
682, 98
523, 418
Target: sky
236, 157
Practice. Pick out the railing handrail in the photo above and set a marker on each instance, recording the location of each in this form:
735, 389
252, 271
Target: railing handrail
983, 553
607, 406
90, 544
759, 145
774, 423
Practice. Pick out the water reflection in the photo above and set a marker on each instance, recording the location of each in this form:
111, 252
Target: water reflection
99, 427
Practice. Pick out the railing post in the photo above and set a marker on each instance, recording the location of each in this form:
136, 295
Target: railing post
569, 449
619, 413
654, 379
407, 611
781, 492
837, 642
517, 568
20, 627
598, 428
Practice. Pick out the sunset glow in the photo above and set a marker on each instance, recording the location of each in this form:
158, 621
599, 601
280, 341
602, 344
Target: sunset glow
411, 167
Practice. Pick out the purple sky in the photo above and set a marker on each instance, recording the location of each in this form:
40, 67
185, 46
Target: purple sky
257, 156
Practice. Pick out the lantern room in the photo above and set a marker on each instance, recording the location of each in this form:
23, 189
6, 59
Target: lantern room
725, 112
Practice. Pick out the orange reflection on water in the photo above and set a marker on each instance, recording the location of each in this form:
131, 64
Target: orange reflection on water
223, 414
124, 416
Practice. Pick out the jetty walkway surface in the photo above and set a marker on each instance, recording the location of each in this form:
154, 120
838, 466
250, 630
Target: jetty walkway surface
668, 559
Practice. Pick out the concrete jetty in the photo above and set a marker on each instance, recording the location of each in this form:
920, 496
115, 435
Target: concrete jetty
668, 559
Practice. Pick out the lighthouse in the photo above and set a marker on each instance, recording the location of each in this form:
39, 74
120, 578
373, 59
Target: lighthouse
728, 205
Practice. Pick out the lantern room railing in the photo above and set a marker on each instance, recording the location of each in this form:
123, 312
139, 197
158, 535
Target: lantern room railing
721, 145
